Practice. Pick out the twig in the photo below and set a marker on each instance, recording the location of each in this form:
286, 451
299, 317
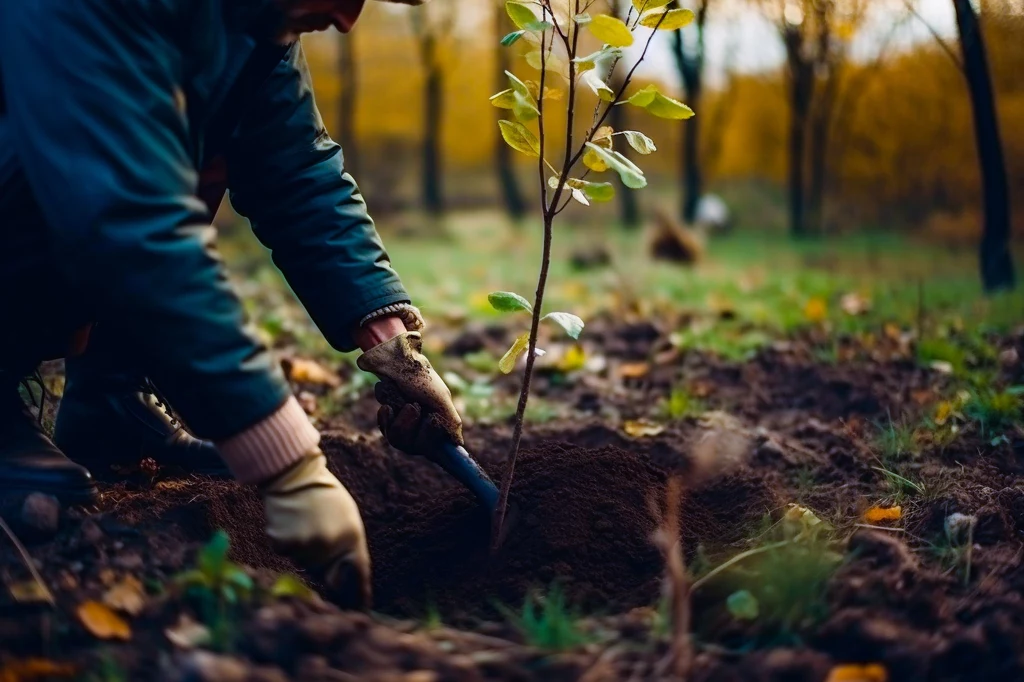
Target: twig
950, 52
27, 560
735, 560
669, 540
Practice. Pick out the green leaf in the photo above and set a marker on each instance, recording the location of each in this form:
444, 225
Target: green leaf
645, 5
512, 37
539, 26
520, 14
214, 556
572, 324
601, 58
670, 19
508, 302
743, 605
629, 172
582, 19
551, 63
193, 578
506, 99
640, 142
641, 98
517, 136
508, 360
666, 107
610, 30
288, 585
239, 578
524, 108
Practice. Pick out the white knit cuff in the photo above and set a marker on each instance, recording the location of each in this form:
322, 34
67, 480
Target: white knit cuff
270, 446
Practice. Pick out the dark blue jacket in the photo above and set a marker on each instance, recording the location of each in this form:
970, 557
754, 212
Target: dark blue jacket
109, 109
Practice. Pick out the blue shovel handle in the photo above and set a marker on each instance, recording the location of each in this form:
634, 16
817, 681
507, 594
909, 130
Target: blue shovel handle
456, 461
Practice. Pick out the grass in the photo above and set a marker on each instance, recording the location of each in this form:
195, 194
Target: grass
681, 404
548, 622
899, 486
896, 441
995, 412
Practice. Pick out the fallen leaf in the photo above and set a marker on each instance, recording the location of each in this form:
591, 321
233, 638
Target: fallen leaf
127, 596
816, 310
634, 370
305, 371
799, 523
187, 633
877, 514
943, 412
872, 672
573, 359
942, 367
641, 428
31, 669
30, 592
288, 585
103, 623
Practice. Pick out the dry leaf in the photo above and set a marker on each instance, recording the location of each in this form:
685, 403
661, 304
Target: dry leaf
641, 428
304, 371
800, 522
127, 596
877, 514
634, 370
871, 672
31, 669
30, 592
816, 309
187, 633
103, 623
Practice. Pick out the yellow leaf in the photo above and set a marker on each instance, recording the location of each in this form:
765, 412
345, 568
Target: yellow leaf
666, 107
670, 19
506, 99
594, 162
32, 669
508, 360
30, 592
102, 622
800, 522
126, 596
641, 428
519, 137
304, 371
871, 672
876, 514
816, 309
573, 359
610, 31
943, 412
645, 5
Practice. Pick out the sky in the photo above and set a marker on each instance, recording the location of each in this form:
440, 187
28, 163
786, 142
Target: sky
747, 42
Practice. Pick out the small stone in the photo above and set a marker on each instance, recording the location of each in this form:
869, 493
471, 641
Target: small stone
90, 532
41, 513
1009, 358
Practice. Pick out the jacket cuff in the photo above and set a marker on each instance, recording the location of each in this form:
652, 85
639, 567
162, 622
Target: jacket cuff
271, 445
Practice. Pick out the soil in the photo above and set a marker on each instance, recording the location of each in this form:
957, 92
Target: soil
587, 497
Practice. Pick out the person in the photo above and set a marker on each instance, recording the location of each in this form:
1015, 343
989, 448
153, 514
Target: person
121, 126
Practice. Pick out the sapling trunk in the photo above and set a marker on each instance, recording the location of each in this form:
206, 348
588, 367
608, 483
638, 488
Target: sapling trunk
614, 33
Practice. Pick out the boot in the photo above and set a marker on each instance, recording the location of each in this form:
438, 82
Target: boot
30, 462
108, 418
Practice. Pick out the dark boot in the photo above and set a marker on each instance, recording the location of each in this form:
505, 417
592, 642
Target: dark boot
114, 419
30, 462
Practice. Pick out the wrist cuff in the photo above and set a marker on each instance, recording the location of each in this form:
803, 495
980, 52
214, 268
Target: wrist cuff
407, 312
270, 446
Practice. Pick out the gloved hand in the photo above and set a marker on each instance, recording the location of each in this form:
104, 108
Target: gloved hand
312, 519
416, 413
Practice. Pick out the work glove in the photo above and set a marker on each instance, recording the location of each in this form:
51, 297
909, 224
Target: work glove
416, 412
312, 519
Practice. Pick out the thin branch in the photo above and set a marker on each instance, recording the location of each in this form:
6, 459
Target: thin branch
27, 560
950, 52
570, 119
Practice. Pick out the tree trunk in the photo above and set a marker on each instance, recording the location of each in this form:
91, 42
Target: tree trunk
433, 102
691, 68
347, 102
800, 103
820, 139
512, 196
996, 260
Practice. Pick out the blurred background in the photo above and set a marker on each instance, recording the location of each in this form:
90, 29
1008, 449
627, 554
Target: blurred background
834, 154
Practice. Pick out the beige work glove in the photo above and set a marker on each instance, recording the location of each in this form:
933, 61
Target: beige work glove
416, 413
312, 519
407, 2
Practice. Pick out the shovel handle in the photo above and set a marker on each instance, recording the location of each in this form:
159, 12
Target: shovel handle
457, 461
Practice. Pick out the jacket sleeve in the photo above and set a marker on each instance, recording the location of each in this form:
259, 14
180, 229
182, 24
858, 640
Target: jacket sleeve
288, 177
97, 116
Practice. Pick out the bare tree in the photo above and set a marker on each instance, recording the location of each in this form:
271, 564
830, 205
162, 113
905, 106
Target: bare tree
997, 272
689, 54
515, 204
432, 25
